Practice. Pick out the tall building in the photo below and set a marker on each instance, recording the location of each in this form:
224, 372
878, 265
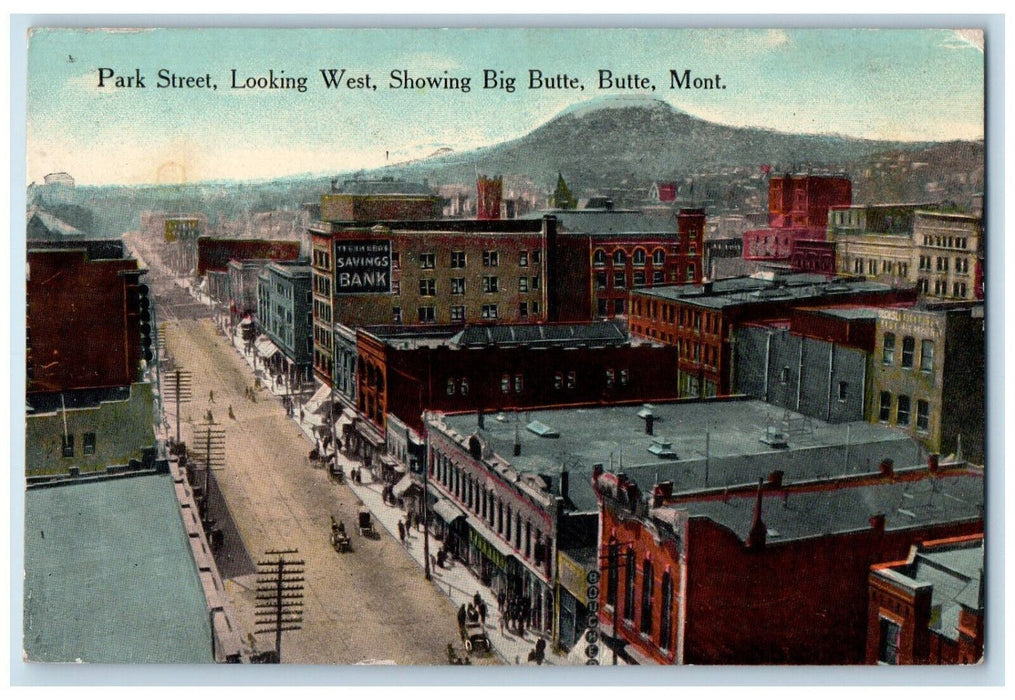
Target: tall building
489, 193
285, 316
384, 199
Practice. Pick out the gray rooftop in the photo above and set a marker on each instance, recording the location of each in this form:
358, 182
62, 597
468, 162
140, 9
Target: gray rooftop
821, 512
607, 221
530, 335
615, 437
850, 314
741, 291
42, 224
109, 575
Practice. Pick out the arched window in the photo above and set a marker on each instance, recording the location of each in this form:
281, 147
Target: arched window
599, 257
640, 256
658, 256
619, 257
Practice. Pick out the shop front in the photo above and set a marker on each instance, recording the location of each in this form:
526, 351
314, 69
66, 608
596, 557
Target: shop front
450, 526
489, 561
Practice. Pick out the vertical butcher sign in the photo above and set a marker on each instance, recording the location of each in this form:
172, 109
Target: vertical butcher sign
362, 267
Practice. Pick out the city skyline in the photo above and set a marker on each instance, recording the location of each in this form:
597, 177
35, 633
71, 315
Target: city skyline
771, 78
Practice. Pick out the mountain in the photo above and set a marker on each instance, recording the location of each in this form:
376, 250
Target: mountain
607, 142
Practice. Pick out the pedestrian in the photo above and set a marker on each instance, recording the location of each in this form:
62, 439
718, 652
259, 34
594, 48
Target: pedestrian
500, 602
461, 615
211, 396
482, 612
401, 532
231, 414
209, 417
503, 620
301, 414
477, 599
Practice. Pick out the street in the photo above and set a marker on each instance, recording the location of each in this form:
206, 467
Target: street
368, 604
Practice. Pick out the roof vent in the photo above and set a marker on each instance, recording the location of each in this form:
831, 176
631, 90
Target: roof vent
663, 449
646, 410
775, 438
542, 430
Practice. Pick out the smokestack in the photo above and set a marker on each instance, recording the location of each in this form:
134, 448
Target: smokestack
759, 533
649, 420
932, 462
564, 479
481, 419
518, 440
887, 468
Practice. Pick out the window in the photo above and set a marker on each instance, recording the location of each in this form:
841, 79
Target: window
519, 383
427, 261
927, 356
427, 288
458, 285
619, 257
489, 284
523, 259
427, 314
558, 380
647, 584
396, 261
572, 380
523, 284
885, 410
784, 375
68, 446
458, 258
619, 280
88, 443
888, 349
640, 257
843, 391
601, 307
489, 311
908, 349
888, 643
600, 280
599, 258
922, 415
534, 307
658, 256
639, 278
523, 309
464, 386
451, 387
457, 313
537, 257
624, 377
658, 277
902, 415
619, 306
665, 620
609, 378
490, 258
690, 273
612, 570
629, 585
396, 314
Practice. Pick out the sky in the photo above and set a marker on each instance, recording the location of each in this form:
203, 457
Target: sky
922, 85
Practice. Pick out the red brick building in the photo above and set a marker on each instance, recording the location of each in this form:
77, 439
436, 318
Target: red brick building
386, 199
813, 256
83, 317
797, 211
928, 609
771, 573
489, 194
702, 320
505, 368
214, 254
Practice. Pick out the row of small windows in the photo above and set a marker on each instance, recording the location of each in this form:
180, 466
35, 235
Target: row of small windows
908, 352
460, 259
322, 259
640, 257
428, 314
959, 289
958, 242
903, 408
491, 285
888, 267
510, 524
941, 264
620, 279
647, 590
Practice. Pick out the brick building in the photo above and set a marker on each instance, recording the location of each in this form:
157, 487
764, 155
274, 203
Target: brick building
703, 320
927, 376
80, 291
497, 496
928, 609
813, 256
774, 572
385, 199
630, 250
798, 208
440, 272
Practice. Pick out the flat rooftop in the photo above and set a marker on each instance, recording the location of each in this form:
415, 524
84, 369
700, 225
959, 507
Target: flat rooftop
109, 575
807, 513
742, 291
596, 333
608, 221
729, 431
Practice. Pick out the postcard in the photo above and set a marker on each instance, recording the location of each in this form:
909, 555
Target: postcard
505, 347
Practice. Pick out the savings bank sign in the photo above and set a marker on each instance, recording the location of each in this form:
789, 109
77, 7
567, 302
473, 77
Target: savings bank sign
362, 267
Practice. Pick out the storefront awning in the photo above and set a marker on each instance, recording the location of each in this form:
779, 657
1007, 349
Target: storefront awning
403, 485
447, 510
265, 348
494, 549
320, 398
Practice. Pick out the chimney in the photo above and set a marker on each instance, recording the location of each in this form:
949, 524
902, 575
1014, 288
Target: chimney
877, 523
649, 420
564, 482
661, 492
758, 534
518, 441
481, 419
887, 468
932, 462
775, 479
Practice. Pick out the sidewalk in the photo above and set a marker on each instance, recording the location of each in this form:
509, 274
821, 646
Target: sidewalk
457, 581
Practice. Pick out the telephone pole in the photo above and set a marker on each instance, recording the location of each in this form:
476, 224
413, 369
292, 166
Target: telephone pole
279, 606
